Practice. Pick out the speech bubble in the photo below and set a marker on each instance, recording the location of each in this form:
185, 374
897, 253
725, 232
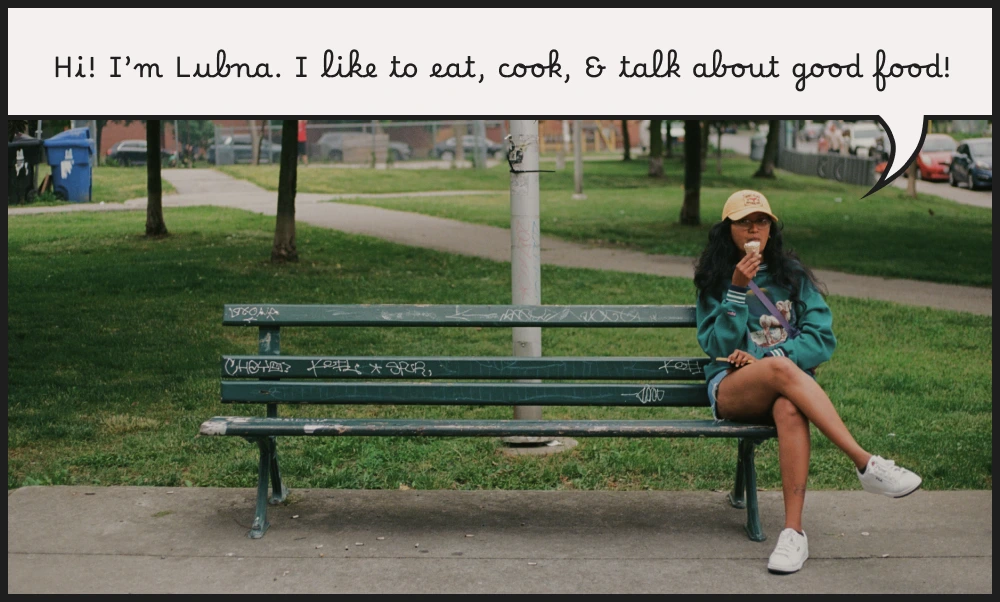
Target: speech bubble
898, 66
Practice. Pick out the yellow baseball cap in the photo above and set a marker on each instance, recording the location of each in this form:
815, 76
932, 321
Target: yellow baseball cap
744, 202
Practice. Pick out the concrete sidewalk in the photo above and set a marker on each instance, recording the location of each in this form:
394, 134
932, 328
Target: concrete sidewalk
210, 187
157, 540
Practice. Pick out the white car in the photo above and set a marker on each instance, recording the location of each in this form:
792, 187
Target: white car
860, 138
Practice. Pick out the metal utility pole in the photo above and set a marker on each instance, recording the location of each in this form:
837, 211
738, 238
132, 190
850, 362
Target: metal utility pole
577, 162
480, 150
563, 146
525, 249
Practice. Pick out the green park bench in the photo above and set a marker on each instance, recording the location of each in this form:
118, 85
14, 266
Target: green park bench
345, 379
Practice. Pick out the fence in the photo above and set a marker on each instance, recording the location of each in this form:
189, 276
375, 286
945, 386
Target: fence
364, 143
842, 168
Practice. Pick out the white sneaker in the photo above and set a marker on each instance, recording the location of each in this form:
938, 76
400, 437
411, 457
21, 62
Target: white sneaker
790, 553
883, 476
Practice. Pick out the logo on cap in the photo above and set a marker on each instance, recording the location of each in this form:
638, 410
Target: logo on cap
751, 199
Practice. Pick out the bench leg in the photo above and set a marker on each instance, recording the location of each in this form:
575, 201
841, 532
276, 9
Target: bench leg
745, 492
278, 491
260, 523
736, 497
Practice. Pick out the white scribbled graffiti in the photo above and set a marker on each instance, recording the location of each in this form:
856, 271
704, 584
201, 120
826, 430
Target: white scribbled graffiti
251, 313
251, 367
334, 365
692, 367
647, 394
408, 369
407, 315
468, 315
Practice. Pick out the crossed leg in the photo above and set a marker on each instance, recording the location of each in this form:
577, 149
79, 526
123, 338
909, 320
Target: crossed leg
775, 389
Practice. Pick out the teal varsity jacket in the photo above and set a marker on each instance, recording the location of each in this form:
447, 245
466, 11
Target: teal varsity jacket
738, 320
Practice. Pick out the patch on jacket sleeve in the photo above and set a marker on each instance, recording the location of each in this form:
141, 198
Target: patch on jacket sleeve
731, 313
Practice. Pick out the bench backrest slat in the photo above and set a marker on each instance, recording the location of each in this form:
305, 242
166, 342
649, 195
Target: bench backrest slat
631, 316
413, 367
510, 394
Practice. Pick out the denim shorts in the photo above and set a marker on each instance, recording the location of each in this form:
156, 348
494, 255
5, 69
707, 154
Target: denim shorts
713, 390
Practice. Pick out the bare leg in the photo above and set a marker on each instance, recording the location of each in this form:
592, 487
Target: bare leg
749, 394
793, 457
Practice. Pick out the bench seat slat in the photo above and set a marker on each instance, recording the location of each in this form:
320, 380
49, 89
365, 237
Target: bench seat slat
412, 367
508, 394
631, 316
267, 427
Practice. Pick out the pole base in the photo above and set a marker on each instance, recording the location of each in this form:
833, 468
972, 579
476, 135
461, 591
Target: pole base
536, 446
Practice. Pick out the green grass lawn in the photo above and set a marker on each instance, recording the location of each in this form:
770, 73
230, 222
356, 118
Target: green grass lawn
114, 344
110, 185
886, 234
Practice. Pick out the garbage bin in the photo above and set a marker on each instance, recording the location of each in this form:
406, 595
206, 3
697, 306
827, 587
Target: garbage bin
71, 157
24, 153
757, 144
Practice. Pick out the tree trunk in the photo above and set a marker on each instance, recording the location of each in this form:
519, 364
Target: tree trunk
99, 126
670, 141
155, 226
718, 147
459, 129
704, 144
911, 180
655, 149
284, 224
691, 209
255, 142
626, 142
766, 169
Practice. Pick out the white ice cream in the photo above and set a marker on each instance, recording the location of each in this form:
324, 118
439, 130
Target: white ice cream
752, 247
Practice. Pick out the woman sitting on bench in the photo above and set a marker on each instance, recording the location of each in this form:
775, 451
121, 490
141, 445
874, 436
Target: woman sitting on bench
767, 351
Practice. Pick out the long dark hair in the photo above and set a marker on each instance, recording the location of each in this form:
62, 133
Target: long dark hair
714, 268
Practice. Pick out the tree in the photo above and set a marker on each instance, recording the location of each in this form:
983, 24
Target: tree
655, 149
459, 129
766, 169
704, 144
195, 134
670, 140
911, 182
626, 141
255, 140
155, 226
15, 127
284, 225
720, 127
691, 208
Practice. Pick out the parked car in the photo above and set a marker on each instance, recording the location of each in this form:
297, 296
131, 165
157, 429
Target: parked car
861, 137
676, 132
934, 157
445, 150
133, 152
332, 146
242, 149
972, 163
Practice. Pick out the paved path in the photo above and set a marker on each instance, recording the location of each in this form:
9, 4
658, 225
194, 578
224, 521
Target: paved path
210, 187
193, 540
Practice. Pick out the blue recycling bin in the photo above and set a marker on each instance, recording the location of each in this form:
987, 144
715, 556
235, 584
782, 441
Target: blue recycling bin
71, 157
